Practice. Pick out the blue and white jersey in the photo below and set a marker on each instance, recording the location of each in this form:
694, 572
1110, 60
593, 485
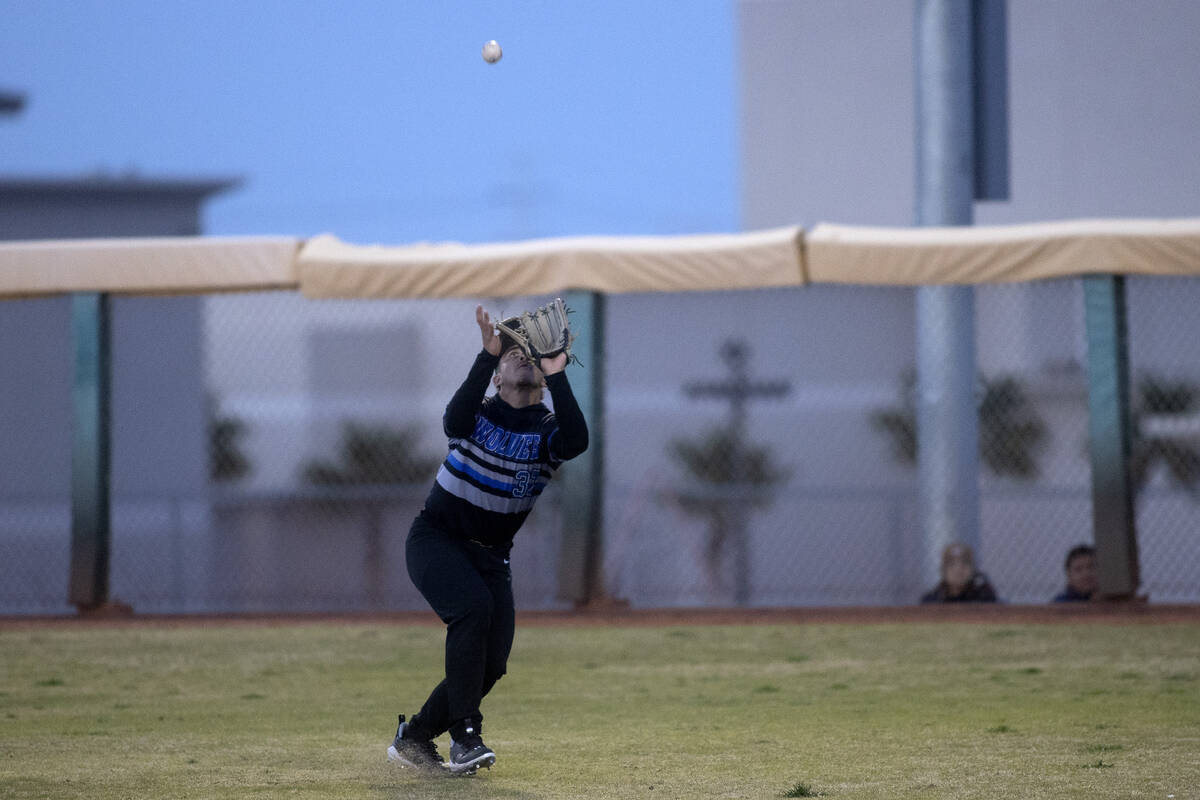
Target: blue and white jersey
500, 458
498, 469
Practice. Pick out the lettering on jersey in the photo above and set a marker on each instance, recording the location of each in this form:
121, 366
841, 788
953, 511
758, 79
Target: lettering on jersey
504, 443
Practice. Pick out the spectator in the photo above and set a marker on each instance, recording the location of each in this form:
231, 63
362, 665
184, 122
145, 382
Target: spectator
961, 582
1080, 567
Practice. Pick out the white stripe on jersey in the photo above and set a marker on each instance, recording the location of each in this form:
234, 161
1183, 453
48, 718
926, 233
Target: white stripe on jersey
484, 463
477, 497
514, 489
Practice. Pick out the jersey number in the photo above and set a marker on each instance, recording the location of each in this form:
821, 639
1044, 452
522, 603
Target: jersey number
521, 483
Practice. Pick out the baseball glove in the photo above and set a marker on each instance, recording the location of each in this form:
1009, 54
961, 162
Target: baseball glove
543, 333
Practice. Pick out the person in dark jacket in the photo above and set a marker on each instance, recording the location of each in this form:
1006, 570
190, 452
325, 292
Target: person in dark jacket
1080, 567
961, 582
503, 450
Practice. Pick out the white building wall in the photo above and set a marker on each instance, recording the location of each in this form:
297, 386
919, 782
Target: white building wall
1104, 103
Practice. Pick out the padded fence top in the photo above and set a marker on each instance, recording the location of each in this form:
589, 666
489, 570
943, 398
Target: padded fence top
328, 267
1001, 253
166, 265
608, 264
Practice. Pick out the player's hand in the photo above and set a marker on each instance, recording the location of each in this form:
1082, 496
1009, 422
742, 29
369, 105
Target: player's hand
491, 339
553, 364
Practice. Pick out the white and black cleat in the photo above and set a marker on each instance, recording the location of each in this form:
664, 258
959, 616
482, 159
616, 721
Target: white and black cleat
419, 754
468, 755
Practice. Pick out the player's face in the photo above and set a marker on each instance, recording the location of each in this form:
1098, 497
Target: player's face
517, 370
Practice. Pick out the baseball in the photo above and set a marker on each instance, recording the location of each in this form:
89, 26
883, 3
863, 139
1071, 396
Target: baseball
492, 51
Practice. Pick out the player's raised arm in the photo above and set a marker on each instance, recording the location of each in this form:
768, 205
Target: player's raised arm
487, 330
571, 436
459, 419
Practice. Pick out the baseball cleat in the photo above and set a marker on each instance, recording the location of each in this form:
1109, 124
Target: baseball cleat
421, 754
469, 754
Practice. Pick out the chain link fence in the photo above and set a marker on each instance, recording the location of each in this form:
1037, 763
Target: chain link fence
269, 452
1164, 359
35, 455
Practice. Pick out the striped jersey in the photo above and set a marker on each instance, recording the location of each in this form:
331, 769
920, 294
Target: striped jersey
500, 458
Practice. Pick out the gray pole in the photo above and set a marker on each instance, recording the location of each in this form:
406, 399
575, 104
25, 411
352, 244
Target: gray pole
947, 422
579, 563
91, 532
1114, 517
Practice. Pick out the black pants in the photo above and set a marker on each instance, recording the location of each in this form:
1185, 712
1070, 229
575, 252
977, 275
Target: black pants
470, 587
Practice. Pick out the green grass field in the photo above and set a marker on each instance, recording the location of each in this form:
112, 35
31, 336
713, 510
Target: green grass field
943, 710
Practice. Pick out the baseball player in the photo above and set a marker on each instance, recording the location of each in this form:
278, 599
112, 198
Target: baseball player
503, 451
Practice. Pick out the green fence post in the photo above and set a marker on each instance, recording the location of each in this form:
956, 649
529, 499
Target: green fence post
90, 454
1109, 436
583, 476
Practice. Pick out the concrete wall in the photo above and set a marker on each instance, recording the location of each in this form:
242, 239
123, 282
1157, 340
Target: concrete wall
1104, 107
1104, 103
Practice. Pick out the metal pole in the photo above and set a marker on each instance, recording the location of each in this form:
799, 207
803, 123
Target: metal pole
947, 422
579, 573
91, 534
1114, 521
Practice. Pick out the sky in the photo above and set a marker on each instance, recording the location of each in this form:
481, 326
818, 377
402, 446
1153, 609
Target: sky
378, 121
